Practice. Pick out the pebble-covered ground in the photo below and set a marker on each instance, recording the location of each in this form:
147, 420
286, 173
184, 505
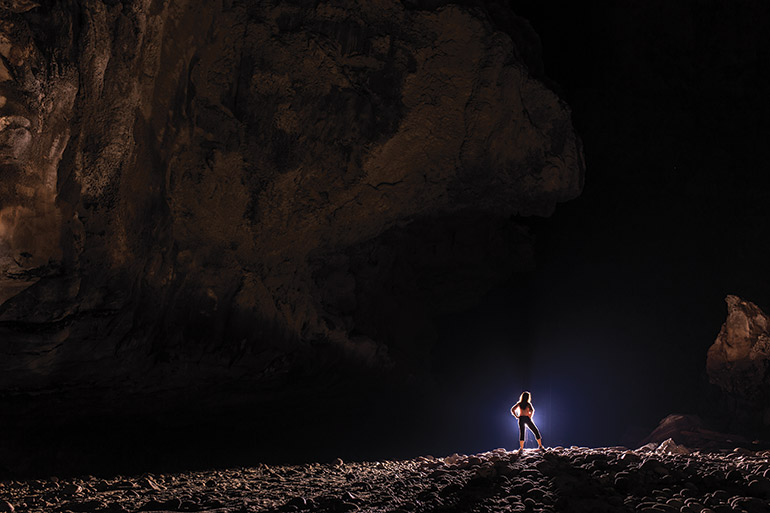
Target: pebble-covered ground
664, 479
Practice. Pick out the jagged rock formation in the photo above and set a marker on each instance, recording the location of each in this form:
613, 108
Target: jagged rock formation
739, 359
224, 192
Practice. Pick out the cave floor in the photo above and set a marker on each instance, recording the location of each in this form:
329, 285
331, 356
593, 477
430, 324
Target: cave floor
561, 479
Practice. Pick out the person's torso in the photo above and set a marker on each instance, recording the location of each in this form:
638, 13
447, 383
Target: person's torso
526, 411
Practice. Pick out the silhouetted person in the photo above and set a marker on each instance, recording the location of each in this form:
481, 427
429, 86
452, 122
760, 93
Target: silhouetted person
523, 410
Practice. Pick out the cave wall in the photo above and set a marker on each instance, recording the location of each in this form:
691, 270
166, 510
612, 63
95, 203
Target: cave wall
221, 191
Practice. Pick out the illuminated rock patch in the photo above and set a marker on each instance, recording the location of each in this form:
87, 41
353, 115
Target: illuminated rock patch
739, 360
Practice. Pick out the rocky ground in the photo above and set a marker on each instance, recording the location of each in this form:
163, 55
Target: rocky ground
666, 478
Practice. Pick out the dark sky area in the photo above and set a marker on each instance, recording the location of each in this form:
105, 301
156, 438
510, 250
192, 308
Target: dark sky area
610, 330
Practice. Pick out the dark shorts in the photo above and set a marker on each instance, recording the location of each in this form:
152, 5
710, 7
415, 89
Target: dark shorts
525, 420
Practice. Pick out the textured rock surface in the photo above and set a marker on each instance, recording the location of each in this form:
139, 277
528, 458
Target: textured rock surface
575, 479
692, 431
739, 359
229, 196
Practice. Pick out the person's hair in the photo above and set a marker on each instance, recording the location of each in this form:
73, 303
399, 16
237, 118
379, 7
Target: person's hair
524, 400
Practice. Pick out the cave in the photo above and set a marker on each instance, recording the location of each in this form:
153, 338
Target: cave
243, 232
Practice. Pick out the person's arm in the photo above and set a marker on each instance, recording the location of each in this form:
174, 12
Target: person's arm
513, 410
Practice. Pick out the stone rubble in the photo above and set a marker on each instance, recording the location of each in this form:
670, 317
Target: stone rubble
666, 478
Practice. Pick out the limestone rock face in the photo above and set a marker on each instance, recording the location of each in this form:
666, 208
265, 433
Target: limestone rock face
229, 191
739, 359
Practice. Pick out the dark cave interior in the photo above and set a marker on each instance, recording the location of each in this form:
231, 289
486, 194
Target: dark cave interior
607, 321
629, 279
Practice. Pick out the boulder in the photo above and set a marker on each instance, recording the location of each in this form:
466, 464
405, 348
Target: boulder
668, 446
739, 359
677, 433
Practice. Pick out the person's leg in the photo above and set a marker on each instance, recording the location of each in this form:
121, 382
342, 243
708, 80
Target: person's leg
535, 431
522, 423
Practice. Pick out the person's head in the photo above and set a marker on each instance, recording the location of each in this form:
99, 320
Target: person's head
525, 397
